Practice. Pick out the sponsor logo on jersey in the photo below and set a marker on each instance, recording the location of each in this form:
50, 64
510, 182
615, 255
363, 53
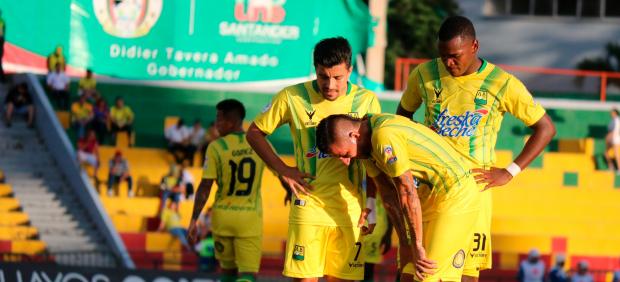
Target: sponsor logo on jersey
298, 252
459, 259
437, 99
314, 152
463, 125
354, 114
310, 115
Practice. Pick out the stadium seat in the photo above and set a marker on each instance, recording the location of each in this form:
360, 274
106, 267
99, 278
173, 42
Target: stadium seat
64, 118
5, 190
170, 121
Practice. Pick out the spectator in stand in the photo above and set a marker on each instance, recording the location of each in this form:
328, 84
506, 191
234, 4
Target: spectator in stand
55, 59
19, 101
58, 84
557, 273
88, 152
532, 269
171, 222
187, 184
616, 277
206, 247
88, 85
196, 140
210, 136
171, 186
119, 172
178, 141
612, 141
583, 274
121, 117
101, 119
81, 115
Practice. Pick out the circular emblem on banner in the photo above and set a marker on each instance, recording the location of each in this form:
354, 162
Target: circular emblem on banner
127, 18
459, 259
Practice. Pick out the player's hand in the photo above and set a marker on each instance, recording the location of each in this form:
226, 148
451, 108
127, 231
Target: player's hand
295, 180
386, 243
423, 265
362, 222
192, 232
493, 177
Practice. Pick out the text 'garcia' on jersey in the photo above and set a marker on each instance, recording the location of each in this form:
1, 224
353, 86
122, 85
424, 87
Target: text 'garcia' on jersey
463, 125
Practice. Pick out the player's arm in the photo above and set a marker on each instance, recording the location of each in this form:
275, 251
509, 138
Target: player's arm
411, 208
391, 203
411, 99
369, 214
201, 197
520, 103
291, 176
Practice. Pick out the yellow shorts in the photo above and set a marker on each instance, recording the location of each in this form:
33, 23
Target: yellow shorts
372, 241
315, 251
479, 254
446, 240
242, 253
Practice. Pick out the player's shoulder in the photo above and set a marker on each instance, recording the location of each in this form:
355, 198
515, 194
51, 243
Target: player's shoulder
294, 90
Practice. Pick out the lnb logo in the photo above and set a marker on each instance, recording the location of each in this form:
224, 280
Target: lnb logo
463, 125
266, 11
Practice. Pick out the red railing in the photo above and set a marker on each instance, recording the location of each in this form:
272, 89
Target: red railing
403, 68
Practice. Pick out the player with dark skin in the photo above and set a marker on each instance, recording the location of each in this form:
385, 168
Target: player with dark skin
459, 55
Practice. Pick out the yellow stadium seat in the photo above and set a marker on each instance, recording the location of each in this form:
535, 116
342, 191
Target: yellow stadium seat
13, 218
64, 118
5, 190
8, 204
17, 232
128, 223
122, 140
29, 247
161, 242
170, 121
583, 145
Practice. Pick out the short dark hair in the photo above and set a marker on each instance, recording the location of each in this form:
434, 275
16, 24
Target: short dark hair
456, 26
332, 51
326, 130
615, 110
230, 107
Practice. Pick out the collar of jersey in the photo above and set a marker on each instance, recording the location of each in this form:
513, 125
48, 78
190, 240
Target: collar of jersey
315, 87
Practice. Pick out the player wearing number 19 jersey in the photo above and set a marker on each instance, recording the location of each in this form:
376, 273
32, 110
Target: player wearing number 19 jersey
465, 99
237, 215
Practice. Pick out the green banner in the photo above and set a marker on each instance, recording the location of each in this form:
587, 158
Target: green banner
223, 41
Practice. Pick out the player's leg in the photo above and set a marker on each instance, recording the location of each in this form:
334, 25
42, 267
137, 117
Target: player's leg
345, 254
225, 254
247, 257
480, 251
305, 252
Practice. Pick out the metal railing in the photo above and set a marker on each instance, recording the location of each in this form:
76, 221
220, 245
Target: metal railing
404, 66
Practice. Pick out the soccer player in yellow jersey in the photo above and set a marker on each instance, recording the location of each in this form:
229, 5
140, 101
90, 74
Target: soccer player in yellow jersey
237, 213
465, 99
440, 213
324, 238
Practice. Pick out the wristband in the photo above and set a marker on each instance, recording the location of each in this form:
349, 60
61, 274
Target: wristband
513, 169
371, 205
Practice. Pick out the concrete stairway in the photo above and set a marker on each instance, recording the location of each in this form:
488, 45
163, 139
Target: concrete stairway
51, 205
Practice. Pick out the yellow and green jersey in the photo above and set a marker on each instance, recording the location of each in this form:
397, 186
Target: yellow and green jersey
335, 199
87, 83
400, 145
468, 110
238, 171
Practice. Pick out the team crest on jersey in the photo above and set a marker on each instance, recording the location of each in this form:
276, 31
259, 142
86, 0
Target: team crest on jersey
437, 99
459, 259
310, 114
389, 154
481, 97
127, 18
298, 252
